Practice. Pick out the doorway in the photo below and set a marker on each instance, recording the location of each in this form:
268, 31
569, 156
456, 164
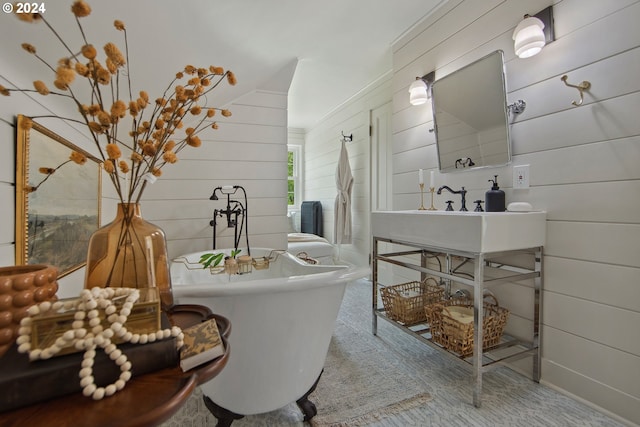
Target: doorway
381, 176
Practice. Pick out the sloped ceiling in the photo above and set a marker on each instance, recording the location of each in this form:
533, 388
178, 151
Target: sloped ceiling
337, 47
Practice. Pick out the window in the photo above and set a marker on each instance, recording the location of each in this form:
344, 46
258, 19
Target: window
293, 176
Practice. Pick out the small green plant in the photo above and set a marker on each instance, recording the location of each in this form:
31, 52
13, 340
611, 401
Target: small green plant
211, 258
214, 259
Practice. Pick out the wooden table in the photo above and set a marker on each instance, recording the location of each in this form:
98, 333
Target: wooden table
146, 400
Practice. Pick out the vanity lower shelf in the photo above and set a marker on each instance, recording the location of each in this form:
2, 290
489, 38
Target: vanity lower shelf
509, 348
480, 270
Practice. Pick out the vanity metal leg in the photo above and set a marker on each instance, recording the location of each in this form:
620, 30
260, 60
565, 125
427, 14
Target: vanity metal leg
374, 279
478, 273
537, 318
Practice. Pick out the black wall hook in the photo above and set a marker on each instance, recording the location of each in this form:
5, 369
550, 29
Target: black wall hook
347, 138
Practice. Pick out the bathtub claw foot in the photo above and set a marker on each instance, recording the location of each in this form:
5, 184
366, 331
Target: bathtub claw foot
307, 407
224, 416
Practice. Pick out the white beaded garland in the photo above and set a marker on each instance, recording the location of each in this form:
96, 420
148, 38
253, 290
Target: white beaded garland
98, 394
99, 340
89, 389
87, 315
115, 354
110, 389
77, 324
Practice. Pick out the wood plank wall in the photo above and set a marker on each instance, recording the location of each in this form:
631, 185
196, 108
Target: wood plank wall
7, 193
249, 149
583, 171
322, 149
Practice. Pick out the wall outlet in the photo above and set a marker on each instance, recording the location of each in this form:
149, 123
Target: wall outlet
521, 176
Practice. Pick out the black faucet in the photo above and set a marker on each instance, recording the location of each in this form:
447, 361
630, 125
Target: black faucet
462, 192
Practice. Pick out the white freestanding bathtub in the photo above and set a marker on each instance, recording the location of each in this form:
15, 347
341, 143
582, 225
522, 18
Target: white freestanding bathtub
282, 319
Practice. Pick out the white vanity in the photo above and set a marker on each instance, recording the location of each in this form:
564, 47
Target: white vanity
474, 249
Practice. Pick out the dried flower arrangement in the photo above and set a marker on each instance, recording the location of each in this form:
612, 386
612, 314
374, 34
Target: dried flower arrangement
157, 131
75, 157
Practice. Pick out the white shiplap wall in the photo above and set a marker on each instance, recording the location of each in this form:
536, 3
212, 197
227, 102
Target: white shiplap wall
7, 194
322, 149
248, 149
583, 171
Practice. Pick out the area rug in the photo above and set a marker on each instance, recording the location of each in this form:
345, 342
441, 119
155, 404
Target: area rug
361, 384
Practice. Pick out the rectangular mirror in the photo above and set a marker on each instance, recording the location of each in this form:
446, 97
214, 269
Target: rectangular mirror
470, 116
54, 221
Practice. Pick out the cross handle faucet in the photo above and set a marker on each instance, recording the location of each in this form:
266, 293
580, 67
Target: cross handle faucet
462, 192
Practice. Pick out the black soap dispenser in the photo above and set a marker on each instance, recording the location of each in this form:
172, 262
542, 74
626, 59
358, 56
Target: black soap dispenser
494, 200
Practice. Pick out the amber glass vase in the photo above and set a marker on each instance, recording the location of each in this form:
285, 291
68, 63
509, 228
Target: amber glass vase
129, 252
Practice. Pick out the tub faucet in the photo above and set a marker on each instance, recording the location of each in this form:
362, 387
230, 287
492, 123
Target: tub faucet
462, 192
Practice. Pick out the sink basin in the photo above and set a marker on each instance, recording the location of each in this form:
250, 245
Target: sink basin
475, 232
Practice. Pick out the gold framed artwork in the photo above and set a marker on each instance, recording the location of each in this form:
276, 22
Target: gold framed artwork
57, 200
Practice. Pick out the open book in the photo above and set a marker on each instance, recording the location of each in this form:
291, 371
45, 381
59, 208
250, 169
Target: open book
202, 343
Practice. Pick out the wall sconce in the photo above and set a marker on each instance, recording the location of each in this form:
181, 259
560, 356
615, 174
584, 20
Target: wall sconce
420, 89
533, 32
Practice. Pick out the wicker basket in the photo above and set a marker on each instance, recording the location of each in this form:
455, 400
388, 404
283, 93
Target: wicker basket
452, 328
405, 302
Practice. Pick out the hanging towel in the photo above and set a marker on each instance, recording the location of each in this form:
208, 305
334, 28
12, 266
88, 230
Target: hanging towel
342, 211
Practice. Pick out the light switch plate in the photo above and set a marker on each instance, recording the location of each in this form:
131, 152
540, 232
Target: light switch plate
521, 176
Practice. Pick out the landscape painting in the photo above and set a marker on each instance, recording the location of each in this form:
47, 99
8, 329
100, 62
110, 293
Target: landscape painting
56, 212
